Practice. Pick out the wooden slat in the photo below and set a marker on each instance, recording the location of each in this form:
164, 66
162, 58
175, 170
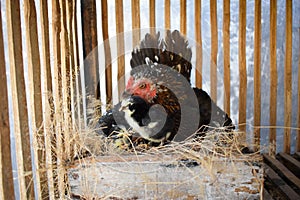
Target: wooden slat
90, 42
183, 17
34, 77
257, 72
281, 187
283, 172
214, 49
152, 16
291, 163
298, 132
108, 70
47, 100
135, 12
6, 173
79, 103
242, 66
273, 76
288, 77
226, 54
120, 45
56, 142
297, 155
198, 37
167, 14
64, 152
19, 104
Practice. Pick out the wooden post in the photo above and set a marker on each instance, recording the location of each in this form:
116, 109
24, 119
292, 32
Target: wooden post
120, 46
56, 143
34, 76
152, 16
167, 14
198, 36
135, 13
242, 66
108, 70
90, 42
288, 76
257, 72
273, 76
47, 100
19, 104
226, 54
6, 172
298, 131
183, 16
214, 49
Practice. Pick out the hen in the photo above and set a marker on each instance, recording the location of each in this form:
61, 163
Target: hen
159, 104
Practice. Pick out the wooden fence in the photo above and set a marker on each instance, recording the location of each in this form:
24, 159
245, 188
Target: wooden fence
51, 104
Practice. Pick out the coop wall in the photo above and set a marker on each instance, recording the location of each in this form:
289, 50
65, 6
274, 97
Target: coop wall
55, 98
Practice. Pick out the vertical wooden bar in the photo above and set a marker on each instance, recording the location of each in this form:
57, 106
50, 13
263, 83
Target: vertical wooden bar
214, 49
34, 76
257, 71
298, 131
226, 54
19, 104
242, 65
120, 45
90, 42
273, 76
183, 16
135, 12
6, 173
77, 72
64, 151
288, 77
167, 14
56, 143
108, 70
198, 37
70, 17
152, 16
47, 100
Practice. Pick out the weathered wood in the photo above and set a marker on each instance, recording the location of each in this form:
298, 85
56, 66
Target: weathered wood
167, 14
242, 66
19, 104
152, 16
288, 76
56, 141
257, 73
226, 54
6, 172
198, 37
214, 49
108, 70
144, 177
121, 46
47, 100
278, 186
136, 24
34, 77
273, 76
298, 132
183, 17
290, 162
283, 172
90, 43
297, 155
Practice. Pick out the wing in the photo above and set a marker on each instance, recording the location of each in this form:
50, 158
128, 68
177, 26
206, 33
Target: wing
113, 120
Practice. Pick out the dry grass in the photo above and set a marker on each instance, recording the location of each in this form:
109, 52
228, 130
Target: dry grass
70, 148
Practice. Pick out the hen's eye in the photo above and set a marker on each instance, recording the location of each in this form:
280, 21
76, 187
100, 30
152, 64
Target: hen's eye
142, 86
